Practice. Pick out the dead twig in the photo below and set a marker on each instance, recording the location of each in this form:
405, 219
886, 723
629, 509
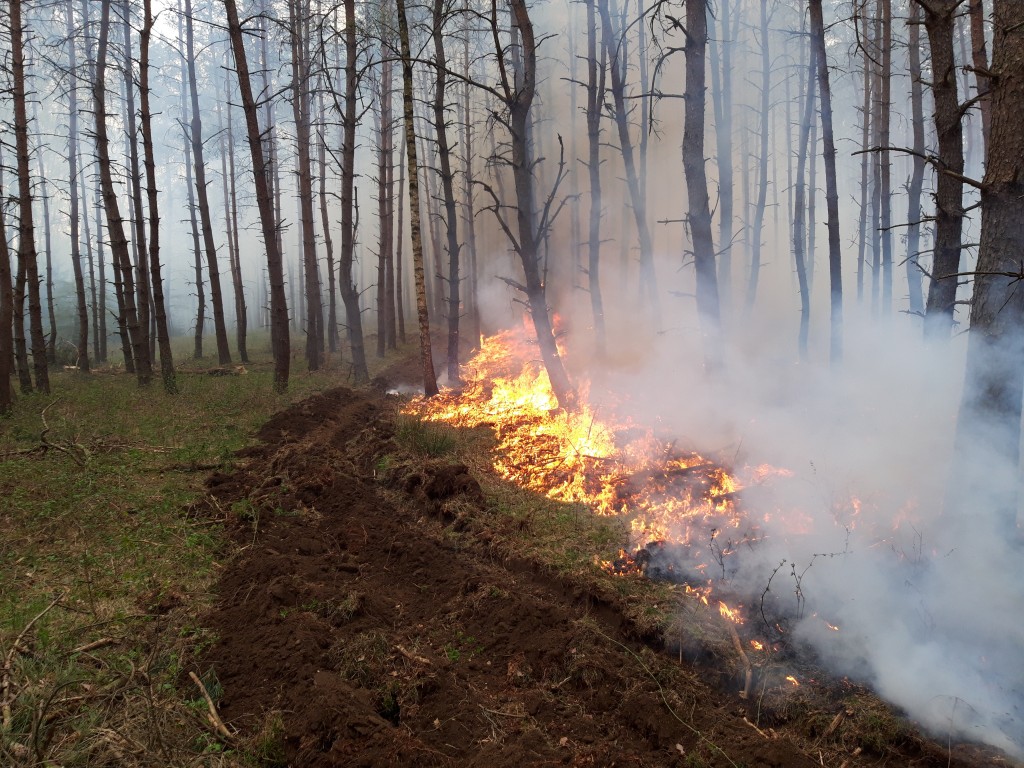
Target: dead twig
412, 656
103, 642
5, 675
215, 720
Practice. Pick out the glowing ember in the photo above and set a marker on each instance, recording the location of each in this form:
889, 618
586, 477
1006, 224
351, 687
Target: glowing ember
793, 680
757, 645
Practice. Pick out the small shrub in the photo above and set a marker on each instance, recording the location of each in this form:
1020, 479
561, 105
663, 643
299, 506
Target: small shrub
426, 438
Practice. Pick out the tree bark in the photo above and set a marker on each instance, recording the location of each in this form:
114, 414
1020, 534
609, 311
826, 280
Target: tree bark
26, 228
163, 336
6, 322
831, 187
74, 217
349, 292
699, 215
279, 338
799, 206
917, 174
762, 187
596, 68
303, 140
202, 195
986, 467
426, 356
448, 193
939, 22
139, 352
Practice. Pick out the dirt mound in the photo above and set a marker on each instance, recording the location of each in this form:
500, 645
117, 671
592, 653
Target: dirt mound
355, 628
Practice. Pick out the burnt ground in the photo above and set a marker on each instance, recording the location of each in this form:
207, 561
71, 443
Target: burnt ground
361, 623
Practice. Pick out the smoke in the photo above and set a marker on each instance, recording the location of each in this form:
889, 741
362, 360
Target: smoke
926, 599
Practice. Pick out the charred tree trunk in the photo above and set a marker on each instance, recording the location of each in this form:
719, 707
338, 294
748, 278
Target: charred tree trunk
202, 195
473, 299
990, 413
26, 230
279, 339
349, 292
74, 217
939, 22
831, 187
426, 356
699, 214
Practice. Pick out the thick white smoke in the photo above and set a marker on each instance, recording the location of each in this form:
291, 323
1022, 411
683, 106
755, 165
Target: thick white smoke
927, 601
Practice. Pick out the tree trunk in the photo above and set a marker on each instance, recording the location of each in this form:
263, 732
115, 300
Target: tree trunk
831, 187
325, 225
918, 160
399, 247
762, 187
149, 160
865, 145
142, 292
473, 300
987, 460
426, 356
26, 229
349, 292
139, 352
799, 206
300, 113
6, 322
448, 193
885, 163
648, 280
697, 185
74, 217
227, 165
279, 339
202, 195
939, 22
979, 57
51, 337
595, 102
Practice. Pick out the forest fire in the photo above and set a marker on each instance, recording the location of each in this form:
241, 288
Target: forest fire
677, 502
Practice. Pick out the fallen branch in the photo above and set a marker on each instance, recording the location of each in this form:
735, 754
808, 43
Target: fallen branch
412, 656
748, 669
5, 675
215, 720
103, 642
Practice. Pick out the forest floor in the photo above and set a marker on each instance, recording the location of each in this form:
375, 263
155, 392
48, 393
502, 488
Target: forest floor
356, 587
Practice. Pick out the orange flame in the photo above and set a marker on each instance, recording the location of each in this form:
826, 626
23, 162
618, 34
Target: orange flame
793, 680
732, 614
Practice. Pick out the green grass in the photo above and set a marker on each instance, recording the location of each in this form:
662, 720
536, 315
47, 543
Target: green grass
97, 521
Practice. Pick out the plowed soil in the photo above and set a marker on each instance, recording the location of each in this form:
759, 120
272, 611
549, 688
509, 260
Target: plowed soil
355, 627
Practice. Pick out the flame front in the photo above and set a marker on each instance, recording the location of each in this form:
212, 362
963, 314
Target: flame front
590, 455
